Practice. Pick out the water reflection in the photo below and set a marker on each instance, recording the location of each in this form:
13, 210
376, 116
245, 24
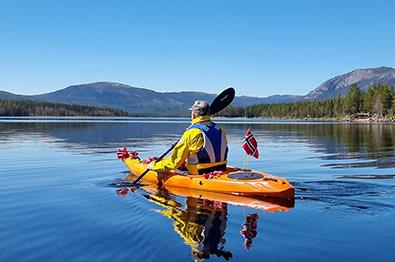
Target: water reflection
201, 224
202, 220
371, 144
374, 142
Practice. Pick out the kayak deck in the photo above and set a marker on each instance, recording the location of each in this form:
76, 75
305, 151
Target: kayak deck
232, 181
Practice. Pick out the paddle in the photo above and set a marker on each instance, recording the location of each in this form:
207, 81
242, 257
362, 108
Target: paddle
220, 102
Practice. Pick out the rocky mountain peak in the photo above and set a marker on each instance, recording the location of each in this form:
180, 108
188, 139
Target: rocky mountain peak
364, 78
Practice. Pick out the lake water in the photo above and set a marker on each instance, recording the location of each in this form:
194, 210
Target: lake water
61, 195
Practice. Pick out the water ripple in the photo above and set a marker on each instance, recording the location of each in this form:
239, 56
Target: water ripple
353, 195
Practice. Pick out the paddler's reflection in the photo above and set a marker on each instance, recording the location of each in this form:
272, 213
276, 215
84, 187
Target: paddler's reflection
201, 224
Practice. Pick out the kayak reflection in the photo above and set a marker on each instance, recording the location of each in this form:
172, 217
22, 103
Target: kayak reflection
202, 221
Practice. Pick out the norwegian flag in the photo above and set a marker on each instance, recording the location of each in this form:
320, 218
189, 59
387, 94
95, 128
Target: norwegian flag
250, 145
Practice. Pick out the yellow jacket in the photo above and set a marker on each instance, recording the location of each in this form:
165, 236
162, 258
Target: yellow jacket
190, 143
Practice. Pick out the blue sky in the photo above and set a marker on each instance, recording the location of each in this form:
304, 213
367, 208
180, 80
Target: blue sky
259, 47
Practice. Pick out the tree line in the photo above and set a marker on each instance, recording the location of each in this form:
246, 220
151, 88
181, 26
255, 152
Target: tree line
33, 108
377, 100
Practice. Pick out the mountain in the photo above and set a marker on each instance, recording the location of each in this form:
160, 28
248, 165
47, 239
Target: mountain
277, 99
113, 95
144, 101
339, 85
136, 100
10, 96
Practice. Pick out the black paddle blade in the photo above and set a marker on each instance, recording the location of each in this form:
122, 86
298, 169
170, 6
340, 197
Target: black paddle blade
222, 100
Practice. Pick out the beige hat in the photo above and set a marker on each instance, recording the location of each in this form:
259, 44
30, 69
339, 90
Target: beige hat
200, 108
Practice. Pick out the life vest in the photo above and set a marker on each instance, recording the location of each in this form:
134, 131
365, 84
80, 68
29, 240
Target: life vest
212, 156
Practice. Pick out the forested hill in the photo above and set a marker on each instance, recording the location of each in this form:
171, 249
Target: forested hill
364, 78
142, 101
378, 100
31, 108
136, 100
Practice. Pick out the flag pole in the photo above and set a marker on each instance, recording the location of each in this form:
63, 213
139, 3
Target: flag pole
246, 162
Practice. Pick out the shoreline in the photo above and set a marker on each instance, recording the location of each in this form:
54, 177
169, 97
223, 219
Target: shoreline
346, 119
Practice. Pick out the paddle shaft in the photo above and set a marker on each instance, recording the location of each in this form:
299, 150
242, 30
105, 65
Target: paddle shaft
160, 158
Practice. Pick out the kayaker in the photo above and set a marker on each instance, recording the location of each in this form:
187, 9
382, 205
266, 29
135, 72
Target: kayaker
202, 148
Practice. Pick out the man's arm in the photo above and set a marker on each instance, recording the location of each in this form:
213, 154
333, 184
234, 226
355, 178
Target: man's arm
190, 142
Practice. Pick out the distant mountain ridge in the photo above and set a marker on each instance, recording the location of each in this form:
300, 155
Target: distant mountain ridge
146, 101
134, 99
339, 85
10, 96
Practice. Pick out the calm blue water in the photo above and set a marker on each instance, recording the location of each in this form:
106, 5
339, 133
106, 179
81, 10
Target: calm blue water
59, 178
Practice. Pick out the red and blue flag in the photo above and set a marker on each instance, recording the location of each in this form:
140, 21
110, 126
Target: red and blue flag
250, 145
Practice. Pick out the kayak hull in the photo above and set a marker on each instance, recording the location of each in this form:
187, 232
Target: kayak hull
262, 184
256, 202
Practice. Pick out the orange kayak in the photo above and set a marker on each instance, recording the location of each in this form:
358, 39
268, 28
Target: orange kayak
234, 181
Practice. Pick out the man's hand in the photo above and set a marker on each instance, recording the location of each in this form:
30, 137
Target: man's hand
150, 164
149, 160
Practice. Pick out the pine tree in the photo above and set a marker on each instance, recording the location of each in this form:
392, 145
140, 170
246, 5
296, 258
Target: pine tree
368, 100
352, 101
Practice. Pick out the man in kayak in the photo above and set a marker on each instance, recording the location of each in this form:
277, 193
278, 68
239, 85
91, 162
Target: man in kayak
202, 148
